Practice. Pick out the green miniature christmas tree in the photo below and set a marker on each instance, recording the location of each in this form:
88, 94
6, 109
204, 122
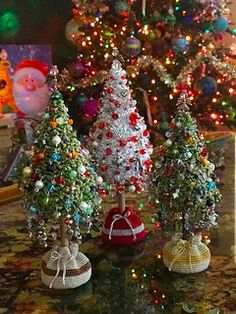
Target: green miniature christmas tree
59, 185
183, 178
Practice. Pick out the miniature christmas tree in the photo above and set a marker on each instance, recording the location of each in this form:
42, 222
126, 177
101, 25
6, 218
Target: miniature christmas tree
119, 142
184, 181
60, 186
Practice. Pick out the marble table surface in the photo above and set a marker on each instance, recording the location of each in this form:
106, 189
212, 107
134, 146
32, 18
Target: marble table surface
125, 280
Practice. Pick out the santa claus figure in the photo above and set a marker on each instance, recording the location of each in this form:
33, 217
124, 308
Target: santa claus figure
30, 91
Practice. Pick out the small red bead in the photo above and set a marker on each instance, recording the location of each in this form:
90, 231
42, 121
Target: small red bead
109, 135
104, 168
132, 159
108, 151
115, 116
134, 139
142, 151
101, 125
122, 142
145, 133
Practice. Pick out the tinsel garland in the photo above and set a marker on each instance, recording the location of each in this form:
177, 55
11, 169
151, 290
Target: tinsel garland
147, 61
220, 66
144, 62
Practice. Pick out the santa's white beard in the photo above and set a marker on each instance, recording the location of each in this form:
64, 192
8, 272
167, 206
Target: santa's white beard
31, 103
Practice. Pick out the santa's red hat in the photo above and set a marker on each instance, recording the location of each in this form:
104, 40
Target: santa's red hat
33, 64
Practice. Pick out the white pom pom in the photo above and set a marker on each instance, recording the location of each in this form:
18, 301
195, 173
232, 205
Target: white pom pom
211, 167
56, 140
81, 169
95, 143
83, 205
168, 143
99, 180
131, 188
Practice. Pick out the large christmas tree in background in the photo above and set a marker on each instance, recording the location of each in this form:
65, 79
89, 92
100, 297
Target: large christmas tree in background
119, 139
169, 45
60, 193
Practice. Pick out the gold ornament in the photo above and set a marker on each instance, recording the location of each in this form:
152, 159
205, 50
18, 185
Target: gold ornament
27, 171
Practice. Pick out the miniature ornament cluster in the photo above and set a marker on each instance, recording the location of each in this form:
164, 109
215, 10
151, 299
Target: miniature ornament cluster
120, 145
185, 187
61, 194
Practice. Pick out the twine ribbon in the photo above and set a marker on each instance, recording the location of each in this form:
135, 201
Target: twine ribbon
183, 246
56, 256
125, 217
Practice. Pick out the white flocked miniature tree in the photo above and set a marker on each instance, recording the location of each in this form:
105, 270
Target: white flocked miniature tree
119, 140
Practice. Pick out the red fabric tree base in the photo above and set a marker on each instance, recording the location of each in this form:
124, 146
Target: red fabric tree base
122, 229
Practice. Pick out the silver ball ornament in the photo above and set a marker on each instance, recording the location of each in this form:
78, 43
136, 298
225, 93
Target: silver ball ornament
39, 184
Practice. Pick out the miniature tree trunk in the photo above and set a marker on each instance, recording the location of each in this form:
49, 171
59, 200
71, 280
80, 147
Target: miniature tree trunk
121, 201
185, 232
63, 237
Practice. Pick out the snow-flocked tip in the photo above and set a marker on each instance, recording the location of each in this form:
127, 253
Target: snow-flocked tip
183, 103
52, 78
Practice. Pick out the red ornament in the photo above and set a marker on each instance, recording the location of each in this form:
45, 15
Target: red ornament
103, 168
134, 139
142, 151
122, 142
108, 151
169, 171
145, 133
115, 116
133, 117
120, 187
132, 159
138, 188
59, 180
110, 90
148, 163
133, 179
109, 135
204, 152
128, 168
171, 125
123, 77
87, 173
101, 125
68, 156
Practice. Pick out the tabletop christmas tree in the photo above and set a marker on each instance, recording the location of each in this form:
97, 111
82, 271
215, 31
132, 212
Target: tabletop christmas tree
186, 191
119, 142
60, 193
